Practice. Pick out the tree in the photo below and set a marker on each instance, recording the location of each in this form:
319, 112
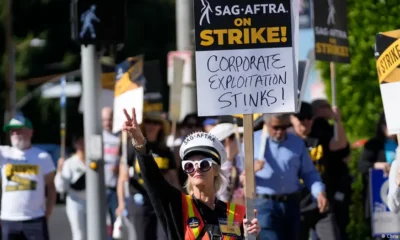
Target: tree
151, 31
358, 91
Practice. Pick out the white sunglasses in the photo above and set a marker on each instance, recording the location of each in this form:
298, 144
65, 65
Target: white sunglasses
203, 165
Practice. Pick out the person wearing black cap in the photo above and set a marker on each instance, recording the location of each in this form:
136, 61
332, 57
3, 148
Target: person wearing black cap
199, 215
323, 154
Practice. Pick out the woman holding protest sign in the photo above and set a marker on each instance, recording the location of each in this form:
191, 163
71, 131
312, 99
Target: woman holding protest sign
199, 215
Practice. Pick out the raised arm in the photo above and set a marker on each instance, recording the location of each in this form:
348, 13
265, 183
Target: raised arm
158, 189
123, 177
341, 141
163, 196
63, 176
154, 180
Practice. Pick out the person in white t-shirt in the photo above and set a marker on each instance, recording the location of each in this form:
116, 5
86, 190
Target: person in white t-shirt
232, 169
27, 180
70, 179
111, 146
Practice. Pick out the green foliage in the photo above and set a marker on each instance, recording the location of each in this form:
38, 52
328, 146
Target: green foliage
358, 91
150, 31
358, 228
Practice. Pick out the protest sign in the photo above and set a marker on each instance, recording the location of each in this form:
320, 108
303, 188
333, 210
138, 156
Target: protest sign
387, 53
107, 79
245, 64
153, 87
330, 29
383, 221
244, 57
176, 91
128, 91
304, 69
187, 68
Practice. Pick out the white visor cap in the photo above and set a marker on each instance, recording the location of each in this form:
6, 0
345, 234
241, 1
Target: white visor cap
205, 144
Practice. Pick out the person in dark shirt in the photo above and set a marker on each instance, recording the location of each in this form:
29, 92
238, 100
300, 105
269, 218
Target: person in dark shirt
199, 215
140, 209
378, 153
324, 156
338, 173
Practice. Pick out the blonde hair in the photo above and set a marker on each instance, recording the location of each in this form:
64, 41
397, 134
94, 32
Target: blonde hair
218, 181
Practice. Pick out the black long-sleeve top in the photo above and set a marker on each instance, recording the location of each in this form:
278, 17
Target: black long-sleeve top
167, 200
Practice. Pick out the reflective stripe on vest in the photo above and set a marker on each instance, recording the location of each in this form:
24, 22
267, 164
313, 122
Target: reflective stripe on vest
196, 231
235, 214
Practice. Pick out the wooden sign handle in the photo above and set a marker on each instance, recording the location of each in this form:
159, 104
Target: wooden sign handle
248, 133
124, 144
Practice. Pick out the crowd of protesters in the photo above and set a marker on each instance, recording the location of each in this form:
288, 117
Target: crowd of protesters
303, 185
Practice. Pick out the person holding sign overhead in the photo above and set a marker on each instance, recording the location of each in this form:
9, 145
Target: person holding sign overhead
199, 215
278, 186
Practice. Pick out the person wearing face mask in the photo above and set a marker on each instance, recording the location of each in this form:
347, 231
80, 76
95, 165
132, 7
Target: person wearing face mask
233, 167
28, 191
284, 160
199, 215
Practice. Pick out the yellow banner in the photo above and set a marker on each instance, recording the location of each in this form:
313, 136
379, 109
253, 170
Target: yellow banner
152, 107
388, 61
108, 80
128, 80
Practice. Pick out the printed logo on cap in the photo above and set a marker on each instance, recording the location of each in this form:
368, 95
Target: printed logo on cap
203, 139
199, 135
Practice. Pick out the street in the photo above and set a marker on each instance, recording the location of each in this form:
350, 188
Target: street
59, 225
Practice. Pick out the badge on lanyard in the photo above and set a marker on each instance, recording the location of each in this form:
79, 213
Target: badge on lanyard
193, 222
139, 199
230, 229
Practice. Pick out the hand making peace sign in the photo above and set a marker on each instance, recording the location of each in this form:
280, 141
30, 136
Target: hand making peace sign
132, 128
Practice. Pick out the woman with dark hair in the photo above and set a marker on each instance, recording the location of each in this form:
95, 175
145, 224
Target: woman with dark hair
70, 179
378, 153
